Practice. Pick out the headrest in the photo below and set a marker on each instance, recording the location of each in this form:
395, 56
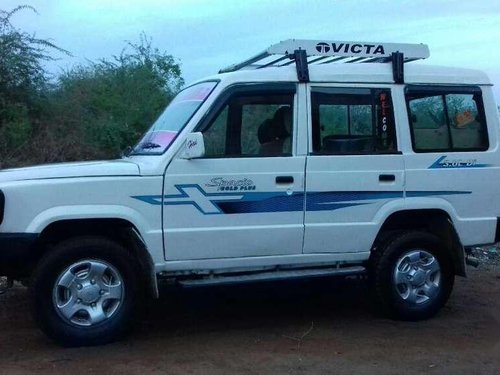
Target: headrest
277, 128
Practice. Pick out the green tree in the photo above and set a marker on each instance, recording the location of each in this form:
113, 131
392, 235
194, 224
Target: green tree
22, 82
112, 102
90, 111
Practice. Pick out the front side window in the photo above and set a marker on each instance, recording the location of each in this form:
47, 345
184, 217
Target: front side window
352, 121
180, 110
446, 119
253, 124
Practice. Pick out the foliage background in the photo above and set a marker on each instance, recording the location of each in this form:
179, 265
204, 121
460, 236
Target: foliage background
91, 111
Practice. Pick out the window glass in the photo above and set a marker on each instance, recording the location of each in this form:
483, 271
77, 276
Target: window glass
215, 136
361, 120
252, 125
442, 120
165, 129
333, 119
467, 132
429, 124
352, 121
253, 115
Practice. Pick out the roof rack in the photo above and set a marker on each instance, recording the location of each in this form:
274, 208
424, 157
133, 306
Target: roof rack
318, 52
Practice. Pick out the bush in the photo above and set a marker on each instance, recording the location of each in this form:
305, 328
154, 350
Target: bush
23, 82
91, 111
113, 102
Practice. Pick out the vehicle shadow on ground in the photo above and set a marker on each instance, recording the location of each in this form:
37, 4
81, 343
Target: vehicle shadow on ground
264, 305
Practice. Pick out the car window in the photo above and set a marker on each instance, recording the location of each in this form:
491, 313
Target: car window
443, 120
166, 128
252, 125
352, 121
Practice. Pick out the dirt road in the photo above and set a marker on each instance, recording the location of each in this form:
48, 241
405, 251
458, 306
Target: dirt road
314, 327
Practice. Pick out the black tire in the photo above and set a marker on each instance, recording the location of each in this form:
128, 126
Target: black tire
382, 275
54, 264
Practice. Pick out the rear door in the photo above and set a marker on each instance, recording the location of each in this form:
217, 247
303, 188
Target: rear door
354, 169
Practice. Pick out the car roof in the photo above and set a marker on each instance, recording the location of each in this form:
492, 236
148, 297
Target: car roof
360, 73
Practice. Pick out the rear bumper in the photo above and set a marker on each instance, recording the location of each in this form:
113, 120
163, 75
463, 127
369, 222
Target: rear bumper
18, 253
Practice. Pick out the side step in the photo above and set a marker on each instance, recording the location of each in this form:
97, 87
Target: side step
273, 276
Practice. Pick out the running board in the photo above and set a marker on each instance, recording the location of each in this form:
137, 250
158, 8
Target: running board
273, 276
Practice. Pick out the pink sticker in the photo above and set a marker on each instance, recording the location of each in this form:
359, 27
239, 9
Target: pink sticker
198, 94
163, 138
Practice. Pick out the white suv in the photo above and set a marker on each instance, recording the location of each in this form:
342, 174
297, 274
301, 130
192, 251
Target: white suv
287, 165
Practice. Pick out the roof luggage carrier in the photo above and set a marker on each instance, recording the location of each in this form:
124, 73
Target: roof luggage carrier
316, 52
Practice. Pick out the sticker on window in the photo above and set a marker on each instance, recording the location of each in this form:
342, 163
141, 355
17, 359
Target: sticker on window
159, 140
464, 118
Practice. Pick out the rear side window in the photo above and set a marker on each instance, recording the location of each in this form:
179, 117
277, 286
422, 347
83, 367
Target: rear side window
446, 119
352, 121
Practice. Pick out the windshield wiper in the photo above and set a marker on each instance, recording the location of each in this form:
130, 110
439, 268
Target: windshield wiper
126, 153
150, 145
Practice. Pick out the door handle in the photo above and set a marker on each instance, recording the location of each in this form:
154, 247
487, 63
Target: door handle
284, 180
387, 178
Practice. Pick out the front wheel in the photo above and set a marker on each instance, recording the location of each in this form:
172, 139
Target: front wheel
86, 291
412, 275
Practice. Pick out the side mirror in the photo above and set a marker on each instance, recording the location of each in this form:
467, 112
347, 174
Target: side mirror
194, 147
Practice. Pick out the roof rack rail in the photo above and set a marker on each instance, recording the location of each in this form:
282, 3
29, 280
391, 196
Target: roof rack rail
315, 52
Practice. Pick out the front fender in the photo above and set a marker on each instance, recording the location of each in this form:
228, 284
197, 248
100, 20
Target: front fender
54, 214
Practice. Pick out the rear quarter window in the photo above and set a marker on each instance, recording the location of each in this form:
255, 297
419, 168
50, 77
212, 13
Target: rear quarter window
446, 119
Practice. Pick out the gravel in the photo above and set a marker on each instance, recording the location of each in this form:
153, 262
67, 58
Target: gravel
487, 255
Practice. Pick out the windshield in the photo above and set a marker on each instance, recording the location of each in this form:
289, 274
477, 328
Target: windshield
172, 120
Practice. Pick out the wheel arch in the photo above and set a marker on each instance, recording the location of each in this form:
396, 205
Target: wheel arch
117, 229
435, 221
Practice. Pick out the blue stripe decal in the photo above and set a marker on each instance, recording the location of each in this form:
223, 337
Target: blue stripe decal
255, 202
418, 194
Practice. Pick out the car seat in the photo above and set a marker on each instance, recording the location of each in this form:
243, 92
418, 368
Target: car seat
274, 134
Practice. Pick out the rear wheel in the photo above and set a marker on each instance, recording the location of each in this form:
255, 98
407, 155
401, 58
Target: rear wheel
86, 291
412, 275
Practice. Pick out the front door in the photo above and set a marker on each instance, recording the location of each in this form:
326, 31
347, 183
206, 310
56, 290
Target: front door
245, 197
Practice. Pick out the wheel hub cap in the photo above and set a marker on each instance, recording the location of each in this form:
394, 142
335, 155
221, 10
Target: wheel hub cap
88, 292
417, 276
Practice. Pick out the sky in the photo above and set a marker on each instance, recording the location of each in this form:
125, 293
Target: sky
206, 35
